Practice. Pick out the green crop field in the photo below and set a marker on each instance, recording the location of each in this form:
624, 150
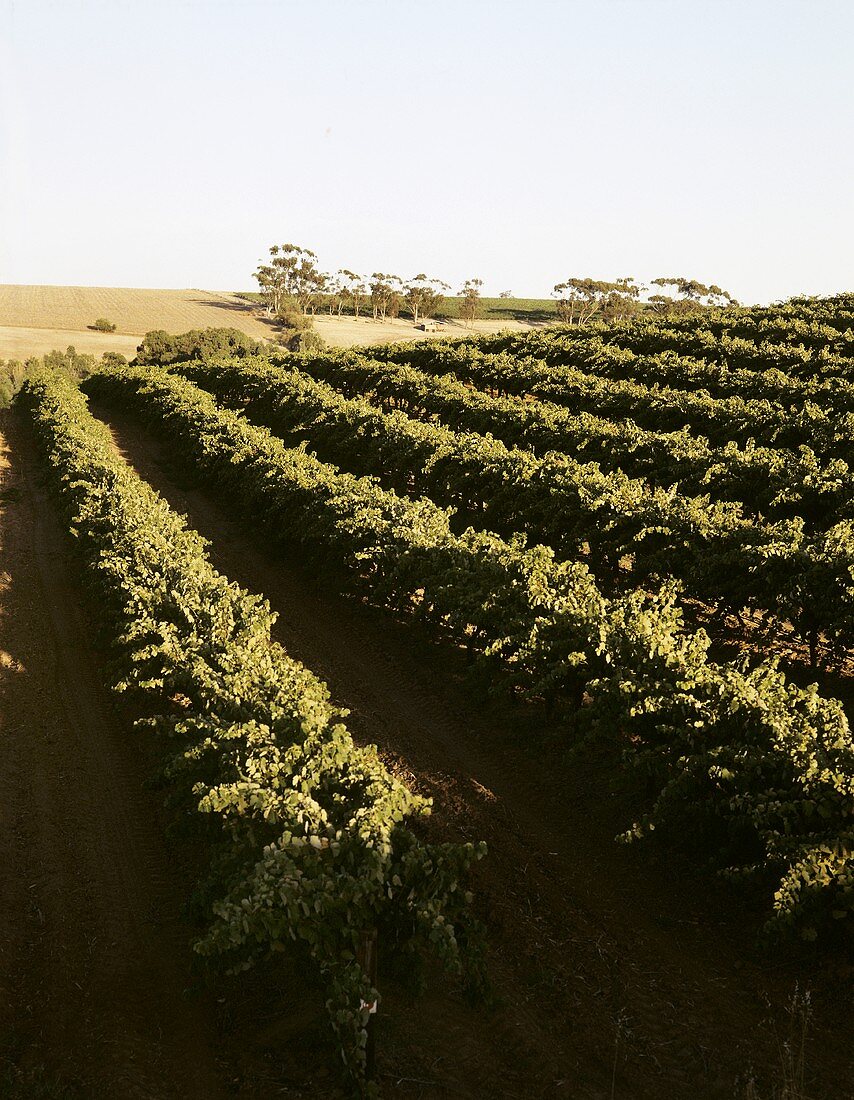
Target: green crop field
530, 310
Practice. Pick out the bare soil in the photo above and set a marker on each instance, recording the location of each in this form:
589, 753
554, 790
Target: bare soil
96, 996
345, 332
617, 973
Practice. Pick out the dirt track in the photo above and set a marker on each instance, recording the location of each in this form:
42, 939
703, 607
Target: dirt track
94, 965
615, 976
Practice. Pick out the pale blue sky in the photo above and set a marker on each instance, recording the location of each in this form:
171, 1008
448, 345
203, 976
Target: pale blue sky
169, 144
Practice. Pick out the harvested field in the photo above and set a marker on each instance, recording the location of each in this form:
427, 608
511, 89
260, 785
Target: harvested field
345, 332
134, 312
35, 320
21, 343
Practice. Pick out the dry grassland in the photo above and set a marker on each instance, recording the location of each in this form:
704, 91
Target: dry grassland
37, 319
345, 332
134, 312
21, 343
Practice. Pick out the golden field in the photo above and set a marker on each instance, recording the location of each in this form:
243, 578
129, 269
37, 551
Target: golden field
37, 319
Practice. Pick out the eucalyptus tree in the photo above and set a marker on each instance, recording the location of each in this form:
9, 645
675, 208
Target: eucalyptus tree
354, 289
335, 294
386, 295
693, 295
579, 299
291, 274
623, 299
423, 296
471, 304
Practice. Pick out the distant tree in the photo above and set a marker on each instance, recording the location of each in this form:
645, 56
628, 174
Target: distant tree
70, 361
103, 325
336, 294
385, 295
13, 370
354, 289
506, 294
661, 304
316, 298
623, 300
292, 273
12, 373
579, 299
693, 296
423, 296
395, 301
471, 304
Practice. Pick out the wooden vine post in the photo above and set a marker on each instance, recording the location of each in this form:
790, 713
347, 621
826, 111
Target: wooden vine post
366, 957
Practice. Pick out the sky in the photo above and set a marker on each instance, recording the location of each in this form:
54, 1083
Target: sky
169, 143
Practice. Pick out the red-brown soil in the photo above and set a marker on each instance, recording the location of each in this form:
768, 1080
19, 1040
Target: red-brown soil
95, 984
616, 974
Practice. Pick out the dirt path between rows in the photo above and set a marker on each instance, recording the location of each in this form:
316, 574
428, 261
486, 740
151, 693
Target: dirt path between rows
616, 976
95, 996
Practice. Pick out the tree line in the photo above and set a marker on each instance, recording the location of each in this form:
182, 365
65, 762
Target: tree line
291, 281
292, 285
579, 300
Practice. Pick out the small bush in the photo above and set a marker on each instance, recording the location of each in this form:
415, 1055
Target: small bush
294, 320
299, 334
310, 341
103, 325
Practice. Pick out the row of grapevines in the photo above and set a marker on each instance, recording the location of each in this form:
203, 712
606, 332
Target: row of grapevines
309, 833
778, 482
797, 347
809, 339
654, 406
834, 313
638, 352
819, 359
807, 336
757, 772
717, 553
812, 323
635, 354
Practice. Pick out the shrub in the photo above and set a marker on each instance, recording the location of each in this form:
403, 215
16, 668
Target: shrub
305, 341
204, 344
103, 325
299, 334
70, 362
294, 320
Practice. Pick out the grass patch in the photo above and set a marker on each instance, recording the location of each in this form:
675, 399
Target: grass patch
532, 310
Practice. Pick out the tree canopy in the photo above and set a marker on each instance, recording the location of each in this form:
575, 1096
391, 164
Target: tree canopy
292, 273
424, 296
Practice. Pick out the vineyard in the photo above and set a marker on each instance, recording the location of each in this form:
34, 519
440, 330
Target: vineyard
625, 551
